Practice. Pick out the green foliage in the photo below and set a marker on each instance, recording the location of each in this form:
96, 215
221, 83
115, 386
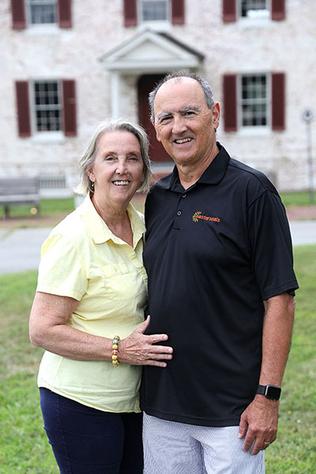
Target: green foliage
23, 444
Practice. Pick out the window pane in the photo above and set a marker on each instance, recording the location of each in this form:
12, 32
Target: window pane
152, 10
254, 100
47, 106
42, 11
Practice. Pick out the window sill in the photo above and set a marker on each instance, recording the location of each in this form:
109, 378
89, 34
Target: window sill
49, 137
254, 131
255, 20
51, 29
155, 25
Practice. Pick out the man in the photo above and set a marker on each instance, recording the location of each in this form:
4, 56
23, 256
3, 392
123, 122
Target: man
221, 283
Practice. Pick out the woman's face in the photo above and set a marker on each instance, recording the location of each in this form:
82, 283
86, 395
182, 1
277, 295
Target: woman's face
118, 168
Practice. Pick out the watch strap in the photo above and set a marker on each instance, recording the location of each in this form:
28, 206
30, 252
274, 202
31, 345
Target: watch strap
272, 392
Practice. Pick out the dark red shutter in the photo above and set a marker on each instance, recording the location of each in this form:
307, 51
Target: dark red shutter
64, 13
230, 102
130, 13
18, 14
278, 10
278, 101
177, 8
69, 108
229, 11
23, 108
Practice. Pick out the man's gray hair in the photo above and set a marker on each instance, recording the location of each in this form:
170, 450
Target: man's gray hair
87, 160
179, 75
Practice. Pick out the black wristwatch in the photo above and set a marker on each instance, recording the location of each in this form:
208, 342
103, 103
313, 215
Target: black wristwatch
272, 392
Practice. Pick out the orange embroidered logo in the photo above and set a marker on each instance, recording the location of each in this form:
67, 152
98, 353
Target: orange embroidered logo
197, 216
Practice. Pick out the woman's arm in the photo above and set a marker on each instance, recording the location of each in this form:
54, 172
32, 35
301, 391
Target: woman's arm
49, 328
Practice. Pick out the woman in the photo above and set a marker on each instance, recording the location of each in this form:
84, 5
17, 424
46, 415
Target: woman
88, 313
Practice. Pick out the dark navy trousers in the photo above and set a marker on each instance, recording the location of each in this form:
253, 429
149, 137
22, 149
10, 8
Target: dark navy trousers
89, 441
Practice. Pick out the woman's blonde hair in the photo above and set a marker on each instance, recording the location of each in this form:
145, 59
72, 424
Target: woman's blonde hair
87, 160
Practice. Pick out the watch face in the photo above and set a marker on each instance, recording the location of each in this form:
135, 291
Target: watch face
273, 393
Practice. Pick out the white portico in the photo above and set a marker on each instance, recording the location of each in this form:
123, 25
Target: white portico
146, 57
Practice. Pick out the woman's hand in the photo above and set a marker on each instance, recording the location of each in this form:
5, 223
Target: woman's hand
139, 349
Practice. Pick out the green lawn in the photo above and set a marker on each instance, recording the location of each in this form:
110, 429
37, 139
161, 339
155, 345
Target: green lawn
23, 445
48, 207
51, 207
299, 198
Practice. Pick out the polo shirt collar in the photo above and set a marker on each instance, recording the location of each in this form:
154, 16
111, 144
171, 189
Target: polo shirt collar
100, 232
213, 174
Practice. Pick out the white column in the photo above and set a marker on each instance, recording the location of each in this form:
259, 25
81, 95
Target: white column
115, 94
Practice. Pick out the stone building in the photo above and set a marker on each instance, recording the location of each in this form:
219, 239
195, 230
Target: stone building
68, 64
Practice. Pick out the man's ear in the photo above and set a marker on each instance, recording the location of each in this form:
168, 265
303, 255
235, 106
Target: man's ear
157, 135
216, 111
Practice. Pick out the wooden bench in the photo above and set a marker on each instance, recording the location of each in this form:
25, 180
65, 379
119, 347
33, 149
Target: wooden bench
21, 190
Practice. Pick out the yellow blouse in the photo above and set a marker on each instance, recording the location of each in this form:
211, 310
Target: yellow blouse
84, 260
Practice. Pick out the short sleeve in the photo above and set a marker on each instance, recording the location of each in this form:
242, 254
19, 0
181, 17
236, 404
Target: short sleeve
61, 270
271, 246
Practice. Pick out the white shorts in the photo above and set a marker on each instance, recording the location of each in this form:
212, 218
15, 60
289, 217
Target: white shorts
178, 448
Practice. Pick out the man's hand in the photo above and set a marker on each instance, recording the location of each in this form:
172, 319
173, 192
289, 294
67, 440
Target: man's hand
259, 423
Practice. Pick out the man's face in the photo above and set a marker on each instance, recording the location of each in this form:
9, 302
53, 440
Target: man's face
183, 122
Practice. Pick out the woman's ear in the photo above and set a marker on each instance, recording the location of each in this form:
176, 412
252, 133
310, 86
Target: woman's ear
91, 176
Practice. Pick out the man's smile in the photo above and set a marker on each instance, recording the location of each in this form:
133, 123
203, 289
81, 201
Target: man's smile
181, 141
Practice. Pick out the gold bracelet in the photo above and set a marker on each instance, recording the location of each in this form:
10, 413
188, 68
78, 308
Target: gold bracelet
115, 345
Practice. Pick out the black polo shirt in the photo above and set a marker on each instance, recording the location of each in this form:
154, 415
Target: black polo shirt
213, 253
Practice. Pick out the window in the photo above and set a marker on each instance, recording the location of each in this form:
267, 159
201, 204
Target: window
154, 10
47, 106
254, 100
42, 12
254, 8
159, 13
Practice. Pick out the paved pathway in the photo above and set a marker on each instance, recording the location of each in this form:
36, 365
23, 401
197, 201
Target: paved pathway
303, 232
19, 249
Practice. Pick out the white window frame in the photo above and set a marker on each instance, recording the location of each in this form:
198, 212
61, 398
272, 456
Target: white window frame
30, 3
255, 128
51, 134
253, 15
159, 25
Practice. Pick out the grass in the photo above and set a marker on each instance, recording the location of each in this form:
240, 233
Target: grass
48, 207
53, 211
298, 198
52, 207
294, 452
23, 445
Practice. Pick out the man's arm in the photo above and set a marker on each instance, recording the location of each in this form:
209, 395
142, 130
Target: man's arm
259, 422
